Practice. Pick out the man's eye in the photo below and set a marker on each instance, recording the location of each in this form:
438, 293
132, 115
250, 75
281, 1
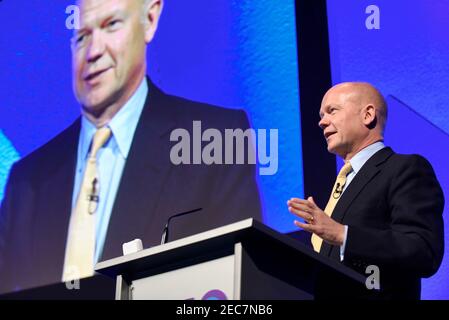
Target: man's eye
80, 39
113, 24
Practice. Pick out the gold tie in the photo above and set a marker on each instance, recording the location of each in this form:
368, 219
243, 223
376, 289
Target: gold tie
80, 249
337, 190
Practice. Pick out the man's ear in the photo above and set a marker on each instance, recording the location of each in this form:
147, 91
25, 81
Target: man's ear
152, 14
369, 116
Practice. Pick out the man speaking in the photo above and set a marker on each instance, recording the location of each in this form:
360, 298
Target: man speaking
108, 178
385, 209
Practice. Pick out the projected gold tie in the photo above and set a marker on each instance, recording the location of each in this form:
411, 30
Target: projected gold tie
80, 248
335, 196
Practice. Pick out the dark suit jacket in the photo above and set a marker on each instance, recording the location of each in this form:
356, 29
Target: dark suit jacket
393, 209
35, 213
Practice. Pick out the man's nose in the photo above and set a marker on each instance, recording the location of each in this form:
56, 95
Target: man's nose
96, 47
323, 123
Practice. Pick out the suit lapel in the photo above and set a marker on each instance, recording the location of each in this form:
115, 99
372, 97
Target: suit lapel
144, 174
369, 170
54, 202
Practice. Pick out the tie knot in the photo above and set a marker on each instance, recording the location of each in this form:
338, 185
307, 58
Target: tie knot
345, 170
101, 136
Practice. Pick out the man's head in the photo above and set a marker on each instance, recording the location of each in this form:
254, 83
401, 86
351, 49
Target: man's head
353, 116
109, 52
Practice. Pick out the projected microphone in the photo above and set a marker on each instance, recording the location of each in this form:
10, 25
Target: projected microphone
165, 232
93, 198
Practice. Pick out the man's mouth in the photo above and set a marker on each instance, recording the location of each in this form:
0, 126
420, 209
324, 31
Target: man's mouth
91, 77
328, 134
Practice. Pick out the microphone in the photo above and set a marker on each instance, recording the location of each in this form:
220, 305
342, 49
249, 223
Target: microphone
164, 239
338, 191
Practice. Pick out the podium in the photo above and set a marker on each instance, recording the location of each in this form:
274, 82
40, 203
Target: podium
245, 260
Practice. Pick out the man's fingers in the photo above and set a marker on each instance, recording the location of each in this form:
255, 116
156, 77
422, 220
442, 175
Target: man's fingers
304, 226
309, 203
298, 200
300, 206
302, 214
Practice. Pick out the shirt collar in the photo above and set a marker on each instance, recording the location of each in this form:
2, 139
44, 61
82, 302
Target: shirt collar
122, 125
363, 156
87, 132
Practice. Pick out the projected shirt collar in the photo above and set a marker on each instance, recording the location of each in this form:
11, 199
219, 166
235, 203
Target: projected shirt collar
123, 125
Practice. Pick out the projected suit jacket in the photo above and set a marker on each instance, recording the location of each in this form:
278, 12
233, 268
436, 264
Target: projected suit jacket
393, 209
36, 210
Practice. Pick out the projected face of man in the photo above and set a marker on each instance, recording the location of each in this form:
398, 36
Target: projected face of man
109, 53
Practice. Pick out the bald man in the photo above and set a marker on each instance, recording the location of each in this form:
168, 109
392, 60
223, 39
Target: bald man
385, 209
61, 214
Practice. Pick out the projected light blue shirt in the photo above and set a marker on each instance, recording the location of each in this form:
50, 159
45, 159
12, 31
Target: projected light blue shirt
357, 163
111, 159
